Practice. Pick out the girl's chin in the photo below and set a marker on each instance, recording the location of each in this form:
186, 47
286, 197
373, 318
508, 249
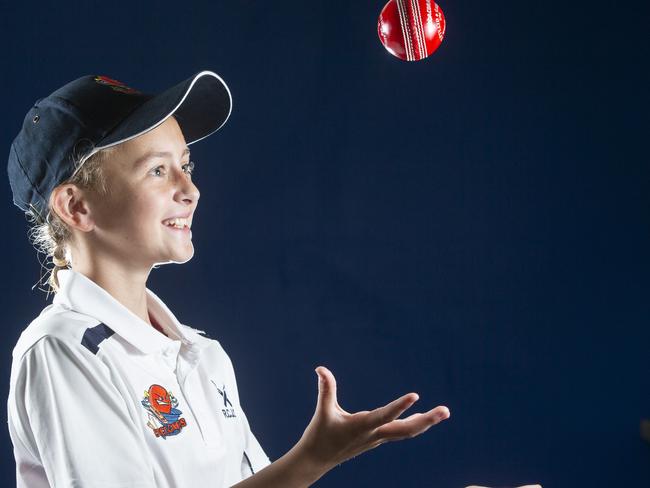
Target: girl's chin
183, 257
178, 255
176, 260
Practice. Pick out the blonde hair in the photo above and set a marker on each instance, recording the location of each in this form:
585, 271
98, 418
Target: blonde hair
50, 235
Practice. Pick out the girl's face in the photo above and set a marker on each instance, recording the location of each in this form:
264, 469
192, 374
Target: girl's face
149, 182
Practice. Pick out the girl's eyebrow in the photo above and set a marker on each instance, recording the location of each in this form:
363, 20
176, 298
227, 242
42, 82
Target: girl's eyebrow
156, 154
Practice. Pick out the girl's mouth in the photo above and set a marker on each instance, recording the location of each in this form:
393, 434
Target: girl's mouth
183, 230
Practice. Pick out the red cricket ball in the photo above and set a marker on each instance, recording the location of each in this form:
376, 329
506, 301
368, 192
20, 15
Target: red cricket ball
411, 29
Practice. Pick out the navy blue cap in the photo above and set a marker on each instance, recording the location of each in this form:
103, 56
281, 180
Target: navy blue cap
95, 112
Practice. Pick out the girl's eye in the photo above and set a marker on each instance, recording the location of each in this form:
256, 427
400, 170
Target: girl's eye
188, 168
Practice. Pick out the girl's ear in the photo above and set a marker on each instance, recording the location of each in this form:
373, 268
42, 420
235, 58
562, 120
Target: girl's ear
71, 206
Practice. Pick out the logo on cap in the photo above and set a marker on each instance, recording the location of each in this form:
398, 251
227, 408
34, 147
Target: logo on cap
115, 85
164, 418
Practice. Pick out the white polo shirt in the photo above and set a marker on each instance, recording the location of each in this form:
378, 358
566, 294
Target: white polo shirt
100, 399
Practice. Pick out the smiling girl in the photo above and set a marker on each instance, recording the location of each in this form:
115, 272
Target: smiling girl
108, 388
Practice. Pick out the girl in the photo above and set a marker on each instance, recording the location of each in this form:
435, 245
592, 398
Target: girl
108, 388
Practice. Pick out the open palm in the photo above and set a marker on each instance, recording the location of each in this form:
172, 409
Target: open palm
335, 435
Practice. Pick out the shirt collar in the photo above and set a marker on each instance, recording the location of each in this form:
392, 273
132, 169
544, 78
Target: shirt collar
79, 293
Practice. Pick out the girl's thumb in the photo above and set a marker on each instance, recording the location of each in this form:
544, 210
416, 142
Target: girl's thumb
326, 387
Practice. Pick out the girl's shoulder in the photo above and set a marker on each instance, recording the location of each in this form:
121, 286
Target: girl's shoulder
55, 321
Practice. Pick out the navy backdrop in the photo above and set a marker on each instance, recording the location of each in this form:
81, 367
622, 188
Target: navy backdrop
473, 227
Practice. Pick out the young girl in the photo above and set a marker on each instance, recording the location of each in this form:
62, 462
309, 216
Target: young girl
108, 388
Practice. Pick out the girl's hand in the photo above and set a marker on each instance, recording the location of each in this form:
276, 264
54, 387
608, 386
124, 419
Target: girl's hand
334, 435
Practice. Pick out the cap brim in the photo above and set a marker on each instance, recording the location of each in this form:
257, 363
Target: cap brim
201, 105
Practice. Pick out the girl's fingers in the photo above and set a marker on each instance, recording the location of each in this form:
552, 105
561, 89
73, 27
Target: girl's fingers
383, 421
394, 409
412, 425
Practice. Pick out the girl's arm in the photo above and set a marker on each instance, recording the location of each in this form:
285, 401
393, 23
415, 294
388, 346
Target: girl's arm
334, 436
69, 424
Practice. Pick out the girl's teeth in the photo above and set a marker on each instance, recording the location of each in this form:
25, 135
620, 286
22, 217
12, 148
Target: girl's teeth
178, 223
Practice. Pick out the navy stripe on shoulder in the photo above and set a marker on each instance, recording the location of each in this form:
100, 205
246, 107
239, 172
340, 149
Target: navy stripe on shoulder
94, 336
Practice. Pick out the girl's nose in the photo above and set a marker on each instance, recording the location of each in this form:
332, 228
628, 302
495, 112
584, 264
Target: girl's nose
188, 189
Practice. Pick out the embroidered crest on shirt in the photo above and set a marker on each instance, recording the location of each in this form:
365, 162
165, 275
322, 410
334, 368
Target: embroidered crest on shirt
164, 418
227, 410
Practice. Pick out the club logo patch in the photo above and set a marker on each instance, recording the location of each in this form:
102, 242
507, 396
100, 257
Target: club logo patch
227, 410
115, 85
164, 418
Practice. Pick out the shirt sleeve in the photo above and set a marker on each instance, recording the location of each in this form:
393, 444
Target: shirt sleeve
69, 421
254, 458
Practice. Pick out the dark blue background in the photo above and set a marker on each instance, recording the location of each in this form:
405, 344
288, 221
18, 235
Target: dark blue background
473, 227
